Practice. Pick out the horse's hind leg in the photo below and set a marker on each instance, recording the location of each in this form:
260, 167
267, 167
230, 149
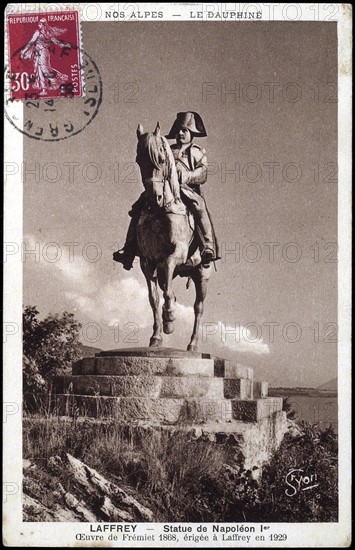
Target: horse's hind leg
154, 299
200, 277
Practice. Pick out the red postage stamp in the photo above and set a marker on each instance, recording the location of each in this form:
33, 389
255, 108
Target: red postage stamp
44, 55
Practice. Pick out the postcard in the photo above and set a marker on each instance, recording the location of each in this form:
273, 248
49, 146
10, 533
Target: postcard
177, 288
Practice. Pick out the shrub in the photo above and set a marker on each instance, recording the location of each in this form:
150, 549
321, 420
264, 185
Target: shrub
50, 346
313, 453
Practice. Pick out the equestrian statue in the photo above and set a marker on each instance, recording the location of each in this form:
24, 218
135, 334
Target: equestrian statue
170, 229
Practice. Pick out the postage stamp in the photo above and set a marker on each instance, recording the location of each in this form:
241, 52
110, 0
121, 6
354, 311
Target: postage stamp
46, 65
44, 52
177, 275
48, 119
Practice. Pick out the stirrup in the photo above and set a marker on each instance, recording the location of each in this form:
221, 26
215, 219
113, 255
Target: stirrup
207, 256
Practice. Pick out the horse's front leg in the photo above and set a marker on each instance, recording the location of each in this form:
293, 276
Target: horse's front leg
200, 277
169, 297
154, 299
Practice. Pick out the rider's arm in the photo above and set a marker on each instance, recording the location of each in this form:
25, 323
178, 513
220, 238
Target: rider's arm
174, 178
199, 174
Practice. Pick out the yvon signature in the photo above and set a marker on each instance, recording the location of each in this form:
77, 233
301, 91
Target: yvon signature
297, 481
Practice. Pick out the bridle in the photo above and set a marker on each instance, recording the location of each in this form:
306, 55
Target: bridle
163, 179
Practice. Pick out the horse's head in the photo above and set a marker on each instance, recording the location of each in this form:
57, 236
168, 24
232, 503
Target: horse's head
155, 164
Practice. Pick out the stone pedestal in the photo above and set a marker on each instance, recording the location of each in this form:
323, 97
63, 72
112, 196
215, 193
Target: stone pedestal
174, 389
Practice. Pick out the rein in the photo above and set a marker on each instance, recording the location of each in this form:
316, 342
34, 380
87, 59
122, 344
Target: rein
163, 180
166, 205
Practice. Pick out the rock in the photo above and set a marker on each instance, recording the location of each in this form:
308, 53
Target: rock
113, 513
196, 432
54, 463
95, 484
92, 497
26, 464
294, 429
256, 473
35, 511
74, 504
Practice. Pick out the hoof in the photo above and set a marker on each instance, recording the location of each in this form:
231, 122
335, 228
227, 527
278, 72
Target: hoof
168, 315
191, 347
168, 328
155, 342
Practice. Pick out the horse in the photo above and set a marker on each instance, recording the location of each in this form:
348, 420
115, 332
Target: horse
166, 237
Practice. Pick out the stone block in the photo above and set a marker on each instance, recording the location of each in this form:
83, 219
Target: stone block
250, 373
262, 439
255, 409
219, 367
237, 388
191, 386
115, 386
202, 411
233, 370
223, 368
85, 366
261, 390
86, 406
157, 352
140, 366
140, 386
162, 411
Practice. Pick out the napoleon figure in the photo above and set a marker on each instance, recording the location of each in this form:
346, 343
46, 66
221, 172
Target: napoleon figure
191, 166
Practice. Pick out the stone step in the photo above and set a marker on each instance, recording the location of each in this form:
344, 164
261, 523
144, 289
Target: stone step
260, 389
157, 352
168, 411
224, 368
255, 409
237, 388
162, 411
154, 386
141, 386
145, 366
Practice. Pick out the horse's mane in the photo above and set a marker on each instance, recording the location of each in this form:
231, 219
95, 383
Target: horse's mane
158, 150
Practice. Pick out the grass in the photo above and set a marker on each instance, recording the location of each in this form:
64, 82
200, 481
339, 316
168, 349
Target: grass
168, 471
182, 479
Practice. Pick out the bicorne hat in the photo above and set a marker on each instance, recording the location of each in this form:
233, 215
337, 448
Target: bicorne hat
190, 120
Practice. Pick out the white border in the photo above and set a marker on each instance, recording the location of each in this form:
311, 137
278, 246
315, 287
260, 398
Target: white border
17, 533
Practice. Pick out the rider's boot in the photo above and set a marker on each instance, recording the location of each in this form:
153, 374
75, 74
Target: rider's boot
208, 253
126, 255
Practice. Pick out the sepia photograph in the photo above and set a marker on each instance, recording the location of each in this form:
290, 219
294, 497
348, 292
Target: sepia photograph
177, 275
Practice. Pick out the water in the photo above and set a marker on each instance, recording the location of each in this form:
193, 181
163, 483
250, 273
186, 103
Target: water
321, 409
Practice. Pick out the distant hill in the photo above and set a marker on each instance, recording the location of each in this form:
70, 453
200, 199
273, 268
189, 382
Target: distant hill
331, 385
87, 351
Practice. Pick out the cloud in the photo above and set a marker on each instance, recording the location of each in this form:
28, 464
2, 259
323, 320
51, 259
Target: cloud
184, 313
236, 338
60, 260
120, 301
123, 301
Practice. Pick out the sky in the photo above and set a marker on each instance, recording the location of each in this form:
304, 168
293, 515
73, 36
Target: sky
266, 94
